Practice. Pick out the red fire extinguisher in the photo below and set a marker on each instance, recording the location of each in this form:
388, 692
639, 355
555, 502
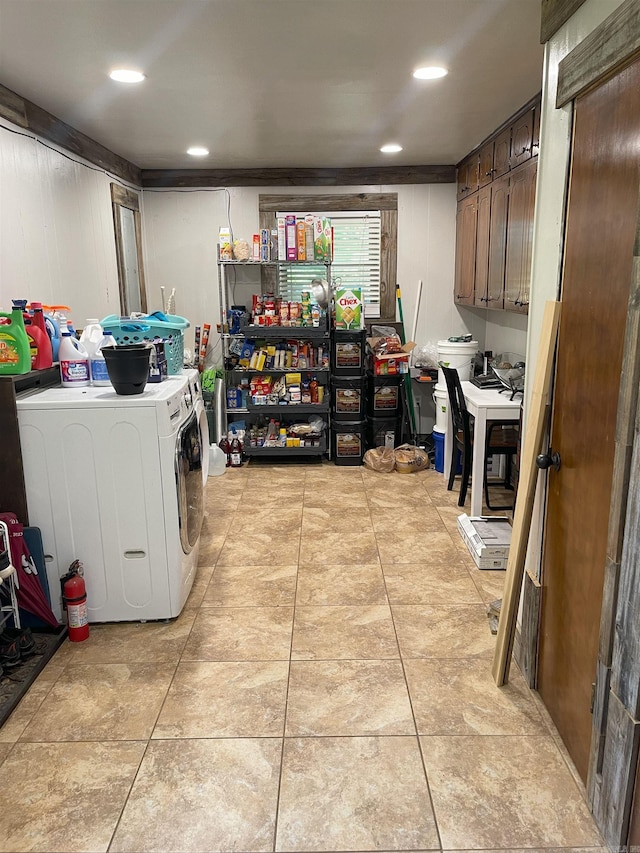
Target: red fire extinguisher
74, 601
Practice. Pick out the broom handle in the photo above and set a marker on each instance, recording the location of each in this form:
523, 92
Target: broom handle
407, 376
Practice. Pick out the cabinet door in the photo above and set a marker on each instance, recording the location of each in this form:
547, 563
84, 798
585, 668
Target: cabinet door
501, 153
498, 243
535, 142
465, 251
485, 175
483, 218
522, 139
468, 177
522, 196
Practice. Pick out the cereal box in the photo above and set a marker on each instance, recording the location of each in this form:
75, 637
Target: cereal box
322, 239
349, 313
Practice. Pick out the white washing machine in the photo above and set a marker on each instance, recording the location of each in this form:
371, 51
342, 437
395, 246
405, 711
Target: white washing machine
117, 482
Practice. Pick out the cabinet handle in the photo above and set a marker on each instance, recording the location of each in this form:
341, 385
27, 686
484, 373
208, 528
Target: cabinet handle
489, 173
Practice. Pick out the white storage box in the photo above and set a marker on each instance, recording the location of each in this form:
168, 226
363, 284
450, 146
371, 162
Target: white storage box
488, 539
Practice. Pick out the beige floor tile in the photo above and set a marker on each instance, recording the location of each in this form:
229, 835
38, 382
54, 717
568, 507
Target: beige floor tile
348, 698
200, 584
66, 796
228, 699
341, 538
241, 633
423, 520
202, 795
412, 545
539, 850
365, 793
242, 586
490, 584
218, 518
101, 702
504, 792
333, 495
270, 541
5, 749
131, 642
460, 697
210, 548
342, 633
354, 584
430, 583
12, 728
443, 631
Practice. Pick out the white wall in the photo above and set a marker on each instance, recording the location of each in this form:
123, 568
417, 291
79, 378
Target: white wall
56, 232
181, 231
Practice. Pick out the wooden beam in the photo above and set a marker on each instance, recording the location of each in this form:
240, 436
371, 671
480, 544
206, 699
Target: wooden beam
374, 175
604, 50
533, 439
31, 117
328, 202
555, 13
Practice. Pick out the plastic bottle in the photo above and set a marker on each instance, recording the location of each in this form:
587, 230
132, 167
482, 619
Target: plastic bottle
97, 363
53, 330
91, 337
217, 461
235, 452
314, 390
74, 362
39, 343
225, 448
15, 353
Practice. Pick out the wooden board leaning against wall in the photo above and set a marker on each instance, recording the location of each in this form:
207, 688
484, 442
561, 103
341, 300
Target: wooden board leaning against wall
494, 224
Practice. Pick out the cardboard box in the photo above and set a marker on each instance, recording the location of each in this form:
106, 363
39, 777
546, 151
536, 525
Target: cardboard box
349, 312
488, 539
393, 363
290, 231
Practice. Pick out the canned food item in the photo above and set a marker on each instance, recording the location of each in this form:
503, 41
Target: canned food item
305, 296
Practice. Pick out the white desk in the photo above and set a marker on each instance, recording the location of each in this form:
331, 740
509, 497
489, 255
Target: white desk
485, 404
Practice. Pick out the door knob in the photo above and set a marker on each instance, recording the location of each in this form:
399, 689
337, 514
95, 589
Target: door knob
548, 460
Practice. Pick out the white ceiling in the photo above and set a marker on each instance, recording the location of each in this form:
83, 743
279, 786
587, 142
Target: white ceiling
275, 83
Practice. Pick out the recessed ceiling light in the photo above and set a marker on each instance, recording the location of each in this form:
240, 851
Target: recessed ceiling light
392, 148
126, 75
430, 72
197, 151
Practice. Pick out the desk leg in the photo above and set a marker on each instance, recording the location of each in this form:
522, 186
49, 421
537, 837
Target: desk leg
477, 464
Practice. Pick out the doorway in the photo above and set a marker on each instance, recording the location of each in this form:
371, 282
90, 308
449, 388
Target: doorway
600, 231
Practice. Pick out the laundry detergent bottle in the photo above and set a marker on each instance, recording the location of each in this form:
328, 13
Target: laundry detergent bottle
15, 352
97, 363
41, 351
74, 362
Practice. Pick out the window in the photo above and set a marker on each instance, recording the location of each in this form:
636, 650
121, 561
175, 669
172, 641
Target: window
348, 205
356, 259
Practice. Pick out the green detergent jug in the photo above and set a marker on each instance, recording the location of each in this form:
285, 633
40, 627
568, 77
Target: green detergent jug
15, 353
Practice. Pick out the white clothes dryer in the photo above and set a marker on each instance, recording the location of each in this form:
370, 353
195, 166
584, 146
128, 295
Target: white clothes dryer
117, 482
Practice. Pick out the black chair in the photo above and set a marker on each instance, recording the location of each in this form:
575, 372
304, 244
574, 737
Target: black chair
502, 439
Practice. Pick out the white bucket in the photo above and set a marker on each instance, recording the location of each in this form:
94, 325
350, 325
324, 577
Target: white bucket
459, 355
441, 401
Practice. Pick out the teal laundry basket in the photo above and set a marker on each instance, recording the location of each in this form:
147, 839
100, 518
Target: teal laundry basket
169, 327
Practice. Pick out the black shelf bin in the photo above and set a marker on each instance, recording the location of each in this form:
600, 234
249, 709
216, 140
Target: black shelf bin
384, 396
348, 356
348, 398
348, 442
380, 432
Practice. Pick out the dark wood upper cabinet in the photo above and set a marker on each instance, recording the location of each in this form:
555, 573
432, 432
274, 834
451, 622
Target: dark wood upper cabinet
468, 177
485, 166
502, 153
535, 142
522, 199
497, 243
483, 221
522, 139
466, 220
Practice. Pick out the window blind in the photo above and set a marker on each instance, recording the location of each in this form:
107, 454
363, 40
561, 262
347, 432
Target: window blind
356, 259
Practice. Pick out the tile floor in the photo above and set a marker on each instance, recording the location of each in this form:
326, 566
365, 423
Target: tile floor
327, 688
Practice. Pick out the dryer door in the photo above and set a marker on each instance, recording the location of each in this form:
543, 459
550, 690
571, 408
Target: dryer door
189, 456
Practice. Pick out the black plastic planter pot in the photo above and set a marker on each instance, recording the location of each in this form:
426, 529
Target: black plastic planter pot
128, 367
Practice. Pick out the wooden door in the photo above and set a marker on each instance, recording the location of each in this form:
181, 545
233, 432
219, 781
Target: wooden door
465, 251
601, 220
468, 177
483, 219
522, 199
498, 242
